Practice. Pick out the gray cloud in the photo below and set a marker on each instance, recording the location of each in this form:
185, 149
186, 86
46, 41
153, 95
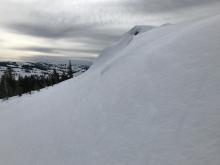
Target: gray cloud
47, 31
37, 49
57, 50
92, 37
160, 6
62, 32
90, 24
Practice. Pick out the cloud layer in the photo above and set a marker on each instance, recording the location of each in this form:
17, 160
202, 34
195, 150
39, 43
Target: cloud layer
81, 28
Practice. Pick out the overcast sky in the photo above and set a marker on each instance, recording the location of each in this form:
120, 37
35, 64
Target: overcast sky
34, 29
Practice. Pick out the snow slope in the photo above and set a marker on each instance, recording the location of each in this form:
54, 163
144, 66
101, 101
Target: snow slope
151, 99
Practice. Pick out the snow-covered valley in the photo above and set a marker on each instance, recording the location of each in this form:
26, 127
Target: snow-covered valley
39, 68
152, 98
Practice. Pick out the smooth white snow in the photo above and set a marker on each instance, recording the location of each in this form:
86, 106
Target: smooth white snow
150, 99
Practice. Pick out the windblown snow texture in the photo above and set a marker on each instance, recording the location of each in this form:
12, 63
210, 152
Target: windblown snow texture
150, 99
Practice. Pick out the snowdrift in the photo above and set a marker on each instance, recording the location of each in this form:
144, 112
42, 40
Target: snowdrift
150, 99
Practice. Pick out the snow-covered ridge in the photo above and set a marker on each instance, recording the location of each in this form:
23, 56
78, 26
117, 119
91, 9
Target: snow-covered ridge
119, 46
151, 98
139, 29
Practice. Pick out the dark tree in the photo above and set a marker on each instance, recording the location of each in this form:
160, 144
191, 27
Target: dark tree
9, 86
70, 70
64, 76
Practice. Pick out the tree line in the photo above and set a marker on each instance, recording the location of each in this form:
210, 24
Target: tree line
9, 86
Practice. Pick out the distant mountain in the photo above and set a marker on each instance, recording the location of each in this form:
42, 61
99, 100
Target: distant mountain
41, 68
60, 60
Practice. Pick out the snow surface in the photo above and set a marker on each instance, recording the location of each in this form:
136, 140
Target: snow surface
150, 99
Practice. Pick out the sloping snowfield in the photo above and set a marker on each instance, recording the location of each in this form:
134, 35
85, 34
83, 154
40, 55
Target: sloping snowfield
151, 99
